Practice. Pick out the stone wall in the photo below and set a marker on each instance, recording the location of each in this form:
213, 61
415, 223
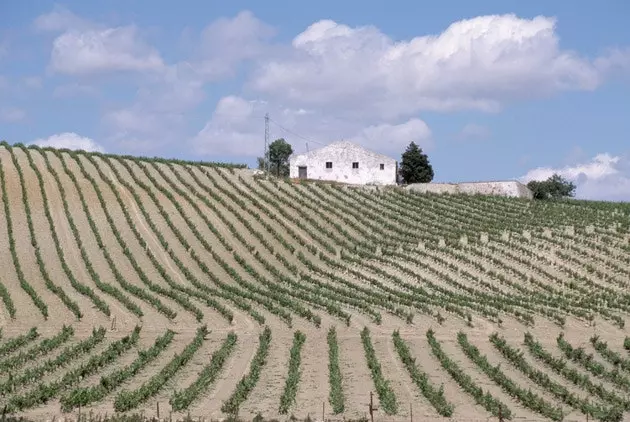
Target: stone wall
373, 168
500, 188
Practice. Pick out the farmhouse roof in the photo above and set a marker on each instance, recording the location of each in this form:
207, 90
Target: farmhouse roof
345, 144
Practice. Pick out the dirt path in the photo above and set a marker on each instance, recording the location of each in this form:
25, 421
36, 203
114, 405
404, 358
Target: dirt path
265, 397
26, 251
235, 369
314, 387
26, 312
139, 254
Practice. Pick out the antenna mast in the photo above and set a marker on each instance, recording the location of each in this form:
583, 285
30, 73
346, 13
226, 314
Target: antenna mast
266, 163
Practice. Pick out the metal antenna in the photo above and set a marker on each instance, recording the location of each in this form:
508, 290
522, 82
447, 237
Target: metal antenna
266, 163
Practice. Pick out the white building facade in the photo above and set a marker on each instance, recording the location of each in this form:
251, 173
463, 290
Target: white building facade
344, 162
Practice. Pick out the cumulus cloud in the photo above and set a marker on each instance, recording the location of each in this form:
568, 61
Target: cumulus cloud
165, 97
233, 129
158, 112
69, 140
477, 63
394, 138
604, 177
110, 49
236, 128
331, 82
12, 114
226, 42
88, 48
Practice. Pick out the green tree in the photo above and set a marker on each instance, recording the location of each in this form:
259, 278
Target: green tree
278, 156
277, 159
415, 166
555, 187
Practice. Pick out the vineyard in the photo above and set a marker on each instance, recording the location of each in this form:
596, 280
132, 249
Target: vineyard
172, 288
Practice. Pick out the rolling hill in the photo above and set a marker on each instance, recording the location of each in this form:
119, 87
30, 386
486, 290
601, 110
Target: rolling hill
148, 285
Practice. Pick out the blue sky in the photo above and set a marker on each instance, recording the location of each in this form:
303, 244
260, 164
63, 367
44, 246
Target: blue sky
491, 90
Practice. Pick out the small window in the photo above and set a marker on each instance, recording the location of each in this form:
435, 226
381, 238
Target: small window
328, 164
382, 166
355, 165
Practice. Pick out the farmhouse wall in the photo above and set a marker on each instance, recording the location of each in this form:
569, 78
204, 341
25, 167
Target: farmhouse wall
342, 155
500, 188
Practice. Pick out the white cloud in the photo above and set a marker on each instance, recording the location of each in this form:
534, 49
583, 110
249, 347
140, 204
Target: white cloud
69, 140
478, 63
159, 109
604, 177
473, 131
12, 114
332, 82
226, 42
617, 61
395, 138
104, 50
88, 48
237, 128
165, 97
233, 129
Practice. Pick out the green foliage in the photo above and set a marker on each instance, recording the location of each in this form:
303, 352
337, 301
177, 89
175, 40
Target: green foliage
13, 344
127, 400
211, 236
46, 391
278, 157
83, 396
433, 395
555, 187
336, 396
104, 287
588, 361
182, 399
526, 397
610, 413
79, 287
35, 373
485, 399
44, 347
415, 166
610, 355
248, 382
131, 157
26, 286
386, 395
293, 377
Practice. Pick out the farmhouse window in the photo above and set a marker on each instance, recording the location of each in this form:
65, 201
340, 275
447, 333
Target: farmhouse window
382, 166
328, 164
355, 165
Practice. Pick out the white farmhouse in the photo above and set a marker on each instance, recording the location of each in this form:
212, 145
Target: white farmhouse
344, 162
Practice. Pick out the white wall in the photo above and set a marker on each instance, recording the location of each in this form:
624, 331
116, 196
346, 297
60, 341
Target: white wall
507, 188
342, 155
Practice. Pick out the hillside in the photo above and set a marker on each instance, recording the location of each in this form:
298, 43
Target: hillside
254, 295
